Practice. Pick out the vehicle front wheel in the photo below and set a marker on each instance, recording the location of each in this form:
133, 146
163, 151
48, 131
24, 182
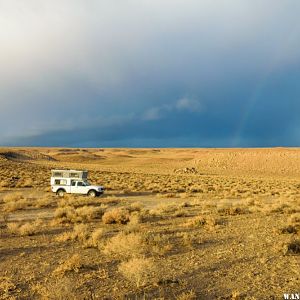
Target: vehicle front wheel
60, 193
92, 193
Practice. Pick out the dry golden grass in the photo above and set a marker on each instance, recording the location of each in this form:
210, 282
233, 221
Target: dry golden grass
77, 201
139, 271
164, 208
29, 228
13, 206
125, 245
6, 286
233, 210
69, 214
43, 202
57, 289
13, 197
158, 244
83, 234
72, 264
116, 216
14, 201
191, 295
96, 238
201, 221
80, 232
295, 219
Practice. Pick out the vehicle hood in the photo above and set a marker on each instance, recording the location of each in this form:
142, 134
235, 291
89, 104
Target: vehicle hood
96, 187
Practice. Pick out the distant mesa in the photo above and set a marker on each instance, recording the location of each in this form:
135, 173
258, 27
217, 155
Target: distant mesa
25, 155
74, 155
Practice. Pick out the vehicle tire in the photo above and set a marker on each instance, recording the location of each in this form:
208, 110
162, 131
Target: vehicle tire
92, 193
60, 193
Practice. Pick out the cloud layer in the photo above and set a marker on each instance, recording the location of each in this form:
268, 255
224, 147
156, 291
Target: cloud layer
150, 73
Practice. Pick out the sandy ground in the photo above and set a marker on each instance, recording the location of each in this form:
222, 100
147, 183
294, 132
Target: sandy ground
186, 224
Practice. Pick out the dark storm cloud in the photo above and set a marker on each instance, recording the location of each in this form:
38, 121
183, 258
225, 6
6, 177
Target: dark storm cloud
149, 73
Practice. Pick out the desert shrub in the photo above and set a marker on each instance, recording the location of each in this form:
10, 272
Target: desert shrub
96, 238
279, 208
15, 201
236, 295
185, 195
88, 213
190, 239
60, 289
29, 228
289, 229
116, 216
4, 184
233, 210
294, 218
157, 243
69, 214
125, 245
43, 202
165, 208
166, 195
185, 204
191, 295
134, 223
12, 197
6, 286
200, 221
134, 207
72, 264
139, 271
80, 233
180, 213
111, 200
293, 225
144, 215
13, 206
64, 214
135, 218
28, 182
292, 247
249, 202
75, 201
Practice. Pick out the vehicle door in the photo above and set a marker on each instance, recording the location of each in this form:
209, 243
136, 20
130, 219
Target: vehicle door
73, 187
81, 187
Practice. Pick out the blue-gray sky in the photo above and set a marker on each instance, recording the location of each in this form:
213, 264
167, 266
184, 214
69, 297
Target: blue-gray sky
150, 73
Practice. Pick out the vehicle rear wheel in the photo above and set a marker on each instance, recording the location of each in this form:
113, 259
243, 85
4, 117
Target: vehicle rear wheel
60, 193
92, 193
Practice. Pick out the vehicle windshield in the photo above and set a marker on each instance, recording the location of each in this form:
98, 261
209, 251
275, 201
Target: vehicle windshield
87, 183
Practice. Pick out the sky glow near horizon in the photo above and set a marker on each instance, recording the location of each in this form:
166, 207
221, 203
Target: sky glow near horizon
147, 73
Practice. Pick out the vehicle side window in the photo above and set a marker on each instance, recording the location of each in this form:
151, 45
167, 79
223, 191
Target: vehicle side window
57, 174
60, 182
73, 183
79, 183
74, 175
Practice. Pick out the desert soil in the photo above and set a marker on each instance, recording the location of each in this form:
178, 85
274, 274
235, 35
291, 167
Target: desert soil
172, 224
